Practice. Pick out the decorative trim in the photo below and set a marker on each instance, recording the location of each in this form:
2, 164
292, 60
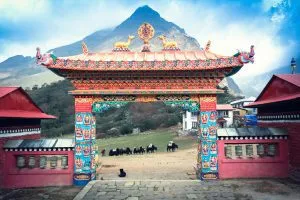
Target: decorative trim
2, 135
144, 92
39, 149
280, 117
190, 106
279, 137
172, 97
19, 130
100, 107
88, 65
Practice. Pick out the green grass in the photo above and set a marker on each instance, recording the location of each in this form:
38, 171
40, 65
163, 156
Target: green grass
159, 138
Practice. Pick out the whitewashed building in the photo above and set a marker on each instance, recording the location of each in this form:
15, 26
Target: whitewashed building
225, 118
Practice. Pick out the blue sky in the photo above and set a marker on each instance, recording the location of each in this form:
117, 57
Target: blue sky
271, 25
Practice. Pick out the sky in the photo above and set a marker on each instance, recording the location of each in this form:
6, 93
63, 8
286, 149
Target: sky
272, 26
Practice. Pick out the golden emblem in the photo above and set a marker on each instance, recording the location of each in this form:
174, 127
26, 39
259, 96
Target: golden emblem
146, 32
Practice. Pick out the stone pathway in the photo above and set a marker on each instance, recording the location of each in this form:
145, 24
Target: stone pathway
190, 189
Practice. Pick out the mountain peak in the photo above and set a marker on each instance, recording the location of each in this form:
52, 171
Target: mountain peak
145, 12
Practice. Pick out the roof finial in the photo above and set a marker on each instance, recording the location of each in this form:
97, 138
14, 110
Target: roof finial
85, 49
293, 65
207, 45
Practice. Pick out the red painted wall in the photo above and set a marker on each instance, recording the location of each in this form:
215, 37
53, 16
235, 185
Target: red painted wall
2, 153
276, 167
19, 178
293, 139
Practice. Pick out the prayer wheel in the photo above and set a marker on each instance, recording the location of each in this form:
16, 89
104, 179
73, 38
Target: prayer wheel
238, 151
260, 150
20, 161
43, 162
228, 151
64, 162
31, 162
272, 150
249, 150
53, 162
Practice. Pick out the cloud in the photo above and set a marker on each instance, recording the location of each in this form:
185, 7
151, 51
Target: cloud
234, 26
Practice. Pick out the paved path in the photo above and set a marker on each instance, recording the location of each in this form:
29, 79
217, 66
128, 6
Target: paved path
190, 189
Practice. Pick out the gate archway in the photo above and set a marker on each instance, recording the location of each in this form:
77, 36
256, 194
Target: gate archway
111, 79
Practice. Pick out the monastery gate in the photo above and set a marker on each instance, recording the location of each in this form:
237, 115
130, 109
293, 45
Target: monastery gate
187, 79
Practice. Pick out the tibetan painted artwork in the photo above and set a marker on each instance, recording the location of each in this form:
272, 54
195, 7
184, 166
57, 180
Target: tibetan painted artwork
85, 135
190, 106
208, 147
100, 107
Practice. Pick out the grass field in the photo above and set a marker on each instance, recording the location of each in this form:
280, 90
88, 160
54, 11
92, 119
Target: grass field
159, 138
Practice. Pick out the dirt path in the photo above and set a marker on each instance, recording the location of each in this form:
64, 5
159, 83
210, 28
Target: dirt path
160, 166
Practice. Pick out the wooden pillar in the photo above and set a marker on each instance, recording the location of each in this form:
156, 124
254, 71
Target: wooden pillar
85, 138
207, 147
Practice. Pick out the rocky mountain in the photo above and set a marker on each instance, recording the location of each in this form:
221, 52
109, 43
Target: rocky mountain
19, 70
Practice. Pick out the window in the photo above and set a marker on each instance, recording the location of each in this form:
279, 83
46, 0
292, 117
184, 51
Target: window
194, 125
225, 113
244, 151
194, 114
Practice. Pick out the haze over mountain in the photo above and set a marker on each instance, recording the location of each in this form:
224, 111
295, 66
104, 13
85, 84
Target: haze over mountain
20, 70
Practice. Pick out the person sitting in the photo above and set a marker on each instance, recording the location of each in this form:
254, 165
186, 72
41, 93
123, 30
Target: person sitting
122, 173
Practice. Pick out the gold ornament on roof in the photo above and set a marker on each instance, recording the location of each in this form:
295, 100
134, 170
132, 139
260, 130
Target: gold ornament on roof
124, 45
146, 32
168, 44
85, 49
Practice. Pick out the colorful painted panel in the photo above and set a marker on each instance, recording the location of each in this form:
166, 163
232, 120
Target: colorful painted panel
100, 107
190, 106
208, 155
85, 137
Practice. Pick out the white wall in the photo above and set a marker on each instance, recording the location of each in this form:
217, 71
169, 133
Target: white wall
187, 121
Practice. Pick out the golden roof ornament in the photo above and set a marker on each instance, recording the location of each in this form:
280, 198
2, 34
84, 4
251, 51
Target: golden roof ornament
85, 49
123, 46
168, 45
146, 33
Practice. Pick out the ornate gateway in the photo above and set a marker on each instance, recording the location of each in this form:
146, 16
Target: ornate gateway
187, 79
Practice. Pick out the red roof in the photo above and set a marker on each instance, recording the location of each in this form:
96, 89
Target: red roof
16, 103
24, 114
285, 93
6, 90
292, 78
224, 107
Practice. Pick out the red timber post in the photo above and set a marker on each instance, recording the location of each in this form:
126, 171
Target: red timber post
85, 141
207, 147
